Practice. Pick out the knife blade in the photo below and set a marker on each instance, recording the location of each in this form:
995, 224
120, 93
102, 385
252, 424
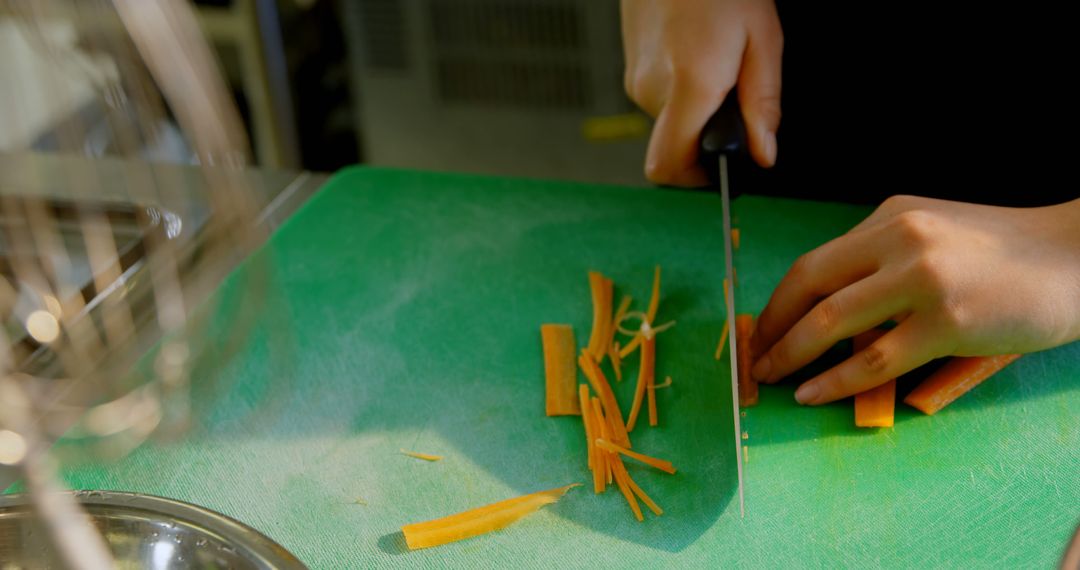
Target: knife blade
724, 137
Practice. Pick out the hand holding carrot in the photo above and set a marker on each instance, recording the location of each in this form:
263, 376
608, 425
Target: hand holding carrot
959, 279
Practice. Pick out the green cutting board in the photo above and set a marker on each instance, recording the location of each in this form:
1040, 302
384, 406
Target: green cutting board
407, 316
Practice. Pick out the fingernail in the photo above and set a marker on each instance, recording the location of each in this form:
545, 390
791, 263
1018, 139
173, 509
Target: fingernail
806, 393
770, 148
762, 368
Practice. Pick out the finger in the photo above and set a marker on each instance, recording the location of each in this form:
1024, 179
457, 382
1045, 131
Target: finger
901, 350
817, 274
849, 311
759, 88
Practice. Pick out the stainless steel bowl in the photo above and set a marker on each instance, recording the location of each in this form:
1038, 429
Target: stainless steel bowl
143, 532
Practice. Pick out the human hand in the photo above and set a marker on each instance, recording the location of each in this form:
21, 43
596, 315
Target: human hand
682, 59
959, 279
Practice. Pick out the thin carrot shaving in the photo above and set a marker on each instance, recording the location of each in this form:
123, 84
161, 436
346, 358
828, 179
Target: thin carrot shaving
875, 407
560, 374
601, 386
646, 375
478, 521
661, 464
639, 492
586, 421
602, 290
604, 426
735, 238
426, 457
723, 340
616, 361
654, 419
650, 314
748, 387
954, 379
667, 383
621, 477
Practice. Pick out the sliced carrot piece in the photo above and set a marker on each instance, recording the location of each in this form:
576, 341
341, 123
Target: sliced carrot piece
602, 388
560, 373
875, 407
653, 419
478, 521
424, 456
955, 379
601, 475
661, 464
748, 388
735, 238
601, 288
646, 375
655, 508
586, 421
654, 305
723, 340
621, 477
616, 361
613, 345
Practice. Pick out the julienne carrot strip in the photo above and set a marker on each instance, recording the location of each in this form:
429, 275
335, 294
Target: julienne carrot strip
621, 477
424, 456
748, 388
478, 521
735, 238
601, 288
600, 462
655, 508
602, 388
661, 464
723, 340
954, 379
646, 377
586, 421
560, 373
613, 345
605, 430
875, 407
654, 305
654, 420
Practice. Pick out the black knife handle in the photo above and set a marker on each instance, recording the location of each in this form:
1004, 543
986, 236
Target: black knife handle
724, 133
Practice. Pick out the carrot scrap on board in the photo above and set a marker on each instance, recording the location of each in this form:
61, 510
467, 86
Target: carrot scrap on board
735, 238
596, 413
875, 407
424, 456
954, 379
478, 521
748, 387
661, 464
602, 291
621, 477
723, 340
605, 430
613, 345
560, 372
646, 375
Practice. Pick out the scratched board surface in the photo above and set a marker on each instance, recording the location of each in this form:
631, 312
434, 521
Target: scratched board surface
407, 317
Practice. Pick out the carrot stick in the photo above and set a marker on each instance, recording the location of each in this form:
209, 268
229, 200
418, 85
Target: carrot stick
616, 360
424, 456
613, 345
655, 508
953, 380
876, 406
661, 464
654, 305
723, 340
748, 388
560, 374
478, 521
735, 238
646, 375
586, 421
601, 288
605, 460
602, 388
653, 419
621, 477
